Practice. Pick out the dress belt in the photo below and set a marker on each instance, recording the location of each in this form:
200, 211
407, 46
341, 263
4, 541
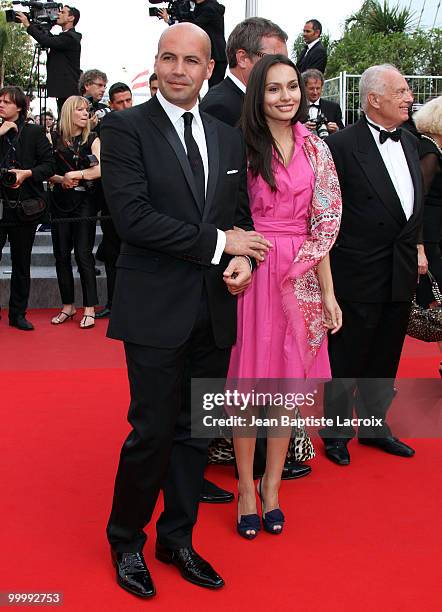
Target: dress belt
279, 227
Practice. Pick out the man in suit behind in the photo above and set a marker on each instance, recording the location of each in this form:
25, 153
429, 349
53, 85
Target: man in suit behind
63, 65
249, 41
374, 262
313, 54
314, 82
174, 303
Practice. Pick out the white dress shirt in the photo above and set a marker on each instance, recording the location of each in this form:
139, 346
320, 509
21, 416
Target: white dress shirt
395, 161
312, 111
175, 114
311, 45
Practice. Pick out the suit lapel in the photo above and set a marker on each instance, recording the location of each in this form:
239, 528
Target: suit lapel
162, 123
213, 155
374, 168
413, 165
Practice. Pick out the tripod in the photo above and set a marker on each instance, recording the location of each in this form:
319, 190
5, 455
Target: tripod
35, 76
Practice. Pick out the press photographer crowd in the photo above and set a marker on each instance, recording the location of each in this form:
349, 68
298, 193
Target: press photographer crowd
248, 233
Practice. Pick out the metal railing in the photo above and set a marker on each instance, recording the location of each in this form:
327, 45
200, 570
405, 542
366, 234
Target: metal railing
344, 89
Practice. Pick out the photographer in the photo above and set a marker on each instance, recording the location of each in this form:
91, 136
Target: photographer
92, 86
325, 117
209, 16
77, 157
26, 161
63, 65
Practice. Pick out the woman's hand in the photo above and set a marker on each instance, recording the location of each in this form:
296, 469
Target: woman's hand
422, 261
70, 180
331, 313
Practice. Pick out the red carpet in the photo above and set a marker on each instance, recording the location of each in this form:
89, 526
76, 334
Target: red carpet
359, 538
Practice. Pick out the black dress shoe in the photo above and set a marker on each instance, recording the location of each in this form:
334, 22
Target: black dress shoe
21, 323
336, 450
192, 567
390, 445
211, 494
132, 574
294, 470
105, 313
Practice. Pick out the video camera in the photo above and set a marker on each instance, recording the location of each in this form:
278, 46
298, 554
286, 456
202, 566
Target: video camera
179, 10
45, 14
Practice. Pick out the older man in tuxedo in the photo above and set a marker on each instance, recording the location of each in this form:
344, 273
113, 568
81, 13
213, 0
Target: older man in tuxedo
181, 265
374, 262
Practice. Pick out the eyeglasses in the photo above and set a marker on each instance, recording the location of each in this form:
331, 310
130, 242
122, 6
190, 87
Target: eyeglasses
99, 84
260, 54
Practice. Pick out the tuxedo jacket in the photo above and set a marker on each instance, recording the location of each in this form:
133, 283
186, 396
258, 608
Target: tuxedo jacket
315, 58
332, 111
225, 102
374, 258
168, 235
63, 65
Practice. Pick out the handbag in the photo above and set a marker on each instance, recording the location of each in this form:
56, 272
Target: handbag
31, 209
426, 323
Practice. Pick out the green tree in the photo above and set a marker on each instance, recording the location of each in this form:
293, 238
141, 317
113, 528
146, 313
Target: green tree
16, 52
378, 18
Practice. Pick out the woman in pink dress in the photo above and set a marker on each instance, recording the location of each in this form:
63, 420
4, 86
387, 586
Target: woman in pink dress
284, 316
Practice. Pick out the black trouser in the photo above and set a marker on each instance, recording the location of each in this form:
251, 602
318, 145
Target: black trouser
218, 73
110, 245
79, 236
364, 358
21, 239
159, 451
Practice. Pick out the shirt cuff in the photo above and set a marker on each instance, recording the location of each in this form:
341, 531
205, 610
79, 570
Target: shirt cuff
220, 246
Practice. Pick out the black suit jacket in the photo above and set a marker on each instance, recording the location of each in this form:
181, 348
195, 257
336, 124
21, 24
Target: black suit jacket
33, 152
315, 58
209, 15
332, 111
374, 258
168, 236
63, 66
224, 101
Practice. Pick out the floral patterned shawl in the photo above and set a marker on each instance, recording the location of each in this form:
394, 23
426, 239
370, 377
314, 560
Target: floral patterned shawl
301, 292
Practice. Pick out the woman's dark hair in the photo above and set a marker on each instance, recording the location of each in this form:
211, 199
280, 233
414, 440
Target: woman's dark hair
260, 143
17, 97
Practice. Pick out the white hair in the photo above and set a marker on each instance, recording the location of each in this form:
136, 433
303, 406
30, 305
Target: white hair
373, 81
428, 119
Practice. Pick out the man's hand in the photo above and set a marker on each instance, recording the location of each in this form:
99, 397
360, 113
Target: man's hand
253, 244
310, 125
22, 175
93, 121
6, 126
23, 18
237, 275
164, 14
332, 127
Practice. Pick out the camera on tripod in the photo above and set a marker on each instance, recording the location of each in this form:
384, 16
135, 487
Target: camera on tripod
179, 10
7, 178
321, 129
45, 14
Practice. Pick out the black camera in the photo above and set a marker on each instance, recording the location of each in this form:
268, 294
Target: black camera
179, 10
321, 122
7, 178
45, 14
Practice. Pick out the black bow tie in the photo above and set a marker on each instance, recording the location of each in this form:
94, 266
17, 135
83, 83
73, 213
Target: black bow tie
384, 135
314, 105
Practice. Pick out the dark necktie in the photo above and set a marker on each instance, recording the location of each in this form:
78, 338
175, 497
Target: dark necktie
384, 135
194, 157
